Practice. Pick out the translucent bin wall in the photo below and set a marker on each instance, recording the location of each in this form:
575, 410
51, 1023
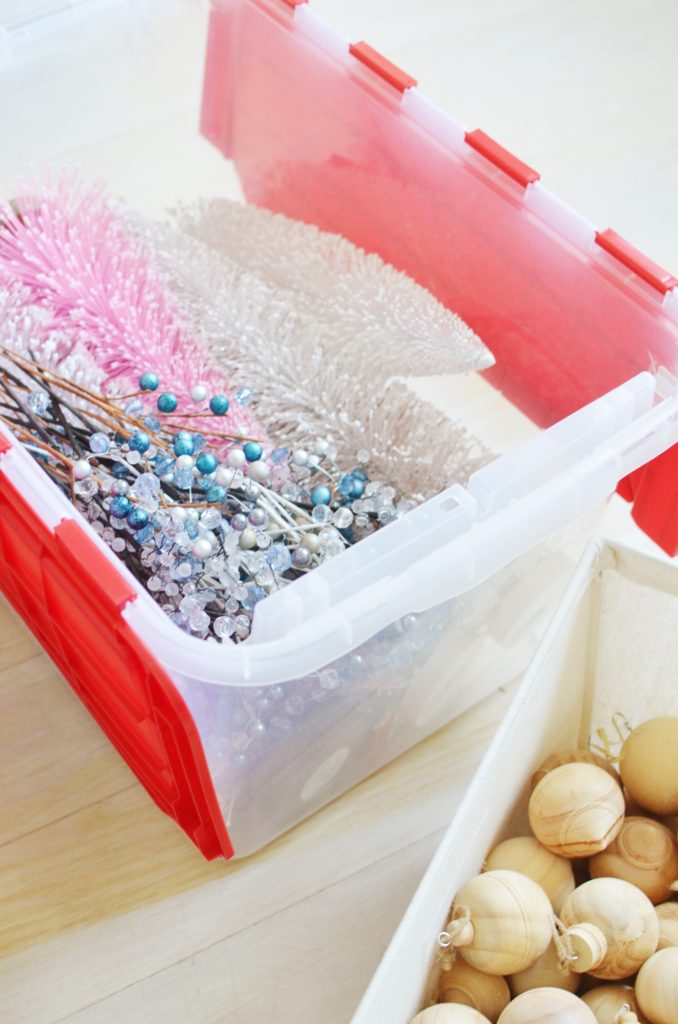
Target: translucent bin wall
372, 651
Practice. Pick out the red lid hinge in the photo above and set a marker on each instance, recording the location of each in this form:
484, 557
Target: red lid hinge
294, 3
636, 261
103, 577
501, 158
5, 444
391, 73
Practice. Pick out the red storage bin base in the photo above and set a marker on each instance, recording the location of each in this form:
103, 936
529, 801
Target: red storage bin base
72, 597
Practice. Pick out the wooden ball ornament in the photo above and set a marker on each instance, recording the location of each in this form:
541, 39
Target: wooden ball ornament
547, 1006
486, 993
450, 1013
671, 823
667, 915
613, 1004
546, 972
657, 987
649, 765
580, 756
645, 854
576, 810
612, 928
501, 922
527, 856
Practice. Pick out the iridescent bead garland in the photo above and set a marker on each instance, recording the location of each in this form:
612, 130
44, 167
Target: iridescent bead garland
209, 523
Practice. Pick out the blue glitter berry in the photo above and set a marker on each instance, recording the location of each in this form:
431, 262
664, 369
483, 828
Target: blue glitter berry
167, 402
358, 488
144, 534
206, 463
137, 518
347, 484
215, 494
139, 441
219, 405
360, 474
148, 381
120, 507
321, 495
183, 444
253, 451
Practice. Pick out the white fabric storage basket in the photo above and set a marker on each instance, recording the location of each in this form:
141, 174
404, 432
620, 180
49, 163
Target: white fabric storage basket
611, 649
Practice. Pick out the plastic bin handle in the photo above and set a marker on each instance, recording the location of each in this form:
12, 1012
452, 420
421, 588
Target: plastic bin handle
555, 450
498, 539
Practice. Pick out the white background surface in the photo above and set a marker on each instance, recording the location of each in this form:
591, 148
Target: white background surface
584, 92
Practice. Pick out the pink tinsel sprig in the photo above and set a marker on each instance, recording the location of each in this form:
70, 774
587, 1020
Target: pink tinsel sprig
70, 245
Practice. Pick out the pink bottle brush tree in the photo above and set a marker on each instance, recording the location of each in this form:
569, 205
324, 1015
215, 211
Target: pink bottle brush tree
69, 247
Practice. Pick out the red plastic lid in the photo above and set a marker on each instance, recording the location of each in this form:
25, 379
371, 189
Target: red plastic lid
339, 137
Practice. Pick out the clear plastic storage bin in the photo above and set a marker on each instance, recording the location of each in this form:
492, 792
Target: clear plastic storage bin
371, 652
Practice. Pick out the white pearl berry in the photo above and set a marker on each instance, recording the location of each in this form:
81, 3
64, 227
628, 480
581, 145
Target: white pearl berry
224, 477
81, 469
201, 548
258, 471
236, 458
311, 541
184, 462
199, 393
300, 457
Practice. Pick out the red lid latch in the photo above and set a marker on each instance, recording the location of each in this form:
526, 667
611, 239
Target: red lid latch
636, 261
502, 158
391, 73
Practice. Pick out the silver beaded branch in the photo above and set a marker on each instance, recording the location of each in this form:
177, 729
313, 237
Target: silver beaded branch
328, 333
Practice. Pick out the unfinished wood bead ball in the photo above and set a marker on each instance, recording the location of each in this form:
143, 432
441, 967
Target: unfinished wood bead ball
644, 854
649, 765
547, 1006
546, 972
613, 1004
580, 756
576, 810
622, 916
527, 856
449, 1013
501, 922
657, 987
667, 915
486, 993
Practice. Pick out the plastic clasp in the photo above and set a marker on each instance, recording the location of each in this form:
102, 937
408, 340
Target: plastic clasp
104, 578
502, 158
636, 261
390, 72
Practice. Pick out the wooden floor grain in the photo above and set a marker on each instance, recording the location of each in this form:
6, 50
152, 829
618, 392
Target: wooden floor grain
107, 913
90, 869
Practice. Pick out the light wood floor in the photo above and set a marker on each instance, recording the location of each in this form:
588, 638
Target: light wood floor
107, 914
